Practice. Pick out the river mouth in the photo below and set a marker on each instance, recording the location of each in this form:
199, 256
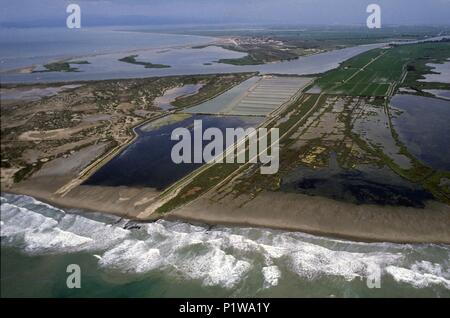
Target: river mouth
147, 161
364, 185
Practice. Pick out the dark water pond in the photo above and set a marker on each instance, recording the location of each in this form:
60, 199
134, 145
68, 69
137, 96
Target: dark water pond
365, 185
147, 162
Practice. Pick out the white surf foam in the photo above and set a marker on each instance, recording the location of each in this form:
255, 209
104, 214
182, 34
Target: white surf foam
54, 240
220, 256
132, 256
421, 274
271, 275
102, 235
17, 220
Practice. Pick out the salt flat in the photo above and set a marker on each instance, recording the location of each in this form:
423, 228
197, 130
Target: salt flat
260, 99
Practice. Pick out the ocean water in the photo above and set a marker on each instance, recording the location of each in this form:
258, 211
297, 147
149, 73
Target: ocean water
120, 258
423, 128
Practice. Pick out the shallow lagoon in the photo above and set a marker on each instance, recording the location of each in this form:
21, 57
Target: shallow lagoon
423, 126
173, 50
443, 75
119, 258
24, 47
440, 93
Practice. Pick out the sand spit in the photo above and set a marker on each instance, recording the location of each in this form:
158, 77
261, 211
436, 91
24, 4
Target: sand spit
276, 210
319, 215
122, 201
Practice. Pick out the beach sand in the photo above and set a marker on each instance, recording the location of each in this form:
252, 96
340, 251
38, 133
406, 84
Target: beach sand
277, 210
323, 216
122, 201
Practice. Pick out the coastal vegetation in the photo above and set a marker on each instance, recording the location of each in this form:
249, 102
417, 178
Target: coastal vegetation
348, 118
132, 60
61, 66
377, 72
341, 118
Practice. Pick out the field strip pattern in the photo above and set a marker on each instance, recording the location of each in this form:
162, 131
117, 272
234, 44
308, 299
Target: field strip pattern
258, 96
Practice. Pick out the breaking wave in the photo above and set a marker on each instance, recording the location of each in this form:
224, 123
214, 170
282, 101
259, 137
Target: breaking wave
218, 256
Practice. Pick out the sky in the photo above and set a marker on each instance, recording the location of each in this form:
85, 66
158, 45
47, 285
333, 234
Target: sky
301, 12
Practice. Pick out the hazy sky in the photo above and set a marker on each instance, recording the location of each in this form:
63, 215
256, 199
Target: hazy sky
324, 12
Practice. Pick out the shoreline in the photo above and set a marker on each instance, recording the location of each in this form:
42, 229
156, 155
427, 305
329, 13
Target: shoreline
275, 210
325, 217
401, 225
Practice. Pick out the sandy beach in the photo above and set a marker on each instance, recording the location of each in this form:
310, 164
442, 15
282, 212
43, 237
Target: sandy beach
323, 216
294, 212
122, 201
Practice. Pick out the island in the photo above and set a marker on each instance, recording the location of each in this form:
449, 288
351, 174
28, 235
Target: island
132, 60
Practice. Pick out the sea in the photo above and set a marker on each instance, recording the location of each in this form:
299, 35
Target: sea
121, 258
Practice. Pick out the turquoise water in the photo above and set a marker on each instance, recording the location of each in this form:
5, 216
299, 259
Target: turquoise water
119, 258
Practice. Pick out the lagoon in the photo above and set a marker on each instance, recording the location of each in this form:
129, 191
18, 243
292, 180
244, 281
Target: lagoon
38, 46
423, 127
147, 161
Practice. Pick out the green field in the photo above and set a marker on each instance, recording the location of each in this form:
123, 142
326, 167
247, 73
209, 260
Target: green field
374, 72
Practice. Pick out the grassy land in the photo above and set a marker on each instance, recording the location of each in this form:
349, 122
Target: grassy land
259, 54
216, 85
387, 69
132, 60
261, 47
246, 60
